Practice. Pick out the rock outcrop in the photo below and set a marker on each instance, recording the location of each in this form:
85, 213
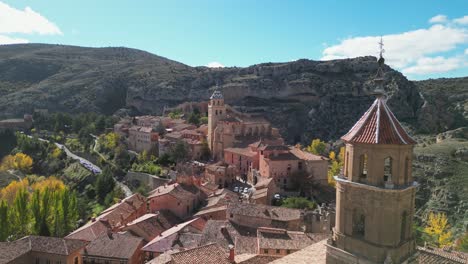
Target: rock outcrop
304, 98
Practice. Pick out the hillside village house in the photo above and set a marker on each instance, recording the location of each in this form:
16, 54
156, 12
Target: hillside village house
42, 250
143, 139
182, 200
114, 248
113, 218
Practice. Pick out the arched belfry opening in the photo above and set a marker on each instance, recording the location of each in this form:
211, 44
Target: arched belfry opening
363, 167
388, 162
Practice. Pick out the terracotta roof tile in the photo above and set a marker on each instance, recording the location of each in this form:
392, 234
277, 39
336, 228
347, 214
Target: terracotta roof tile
224, 233
274, 238
208, 254
378, 125
51, 245
257, 259
264, 211
429, 255
114, 245
315, 253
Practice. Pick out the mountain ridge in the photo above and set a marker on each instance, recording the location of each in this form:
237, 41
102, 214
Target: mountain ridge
304, 98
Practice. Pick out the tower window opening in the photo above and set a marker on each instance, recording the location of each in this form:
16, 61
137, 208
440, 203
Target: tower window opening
346, 165
387, 169
407, 162
404, 220
363, 166
359, 224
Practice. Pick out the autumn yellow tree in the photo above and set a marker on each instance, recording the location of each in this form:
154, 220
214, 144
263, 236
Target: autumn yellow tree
437, 228
8, 193
317, 147
332, 155
19, 161
51, 183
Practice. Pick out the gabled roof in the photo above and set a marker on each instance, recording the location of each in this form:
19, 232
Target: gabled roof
208, 254
165, 240
378, 125
114, 245
39, 244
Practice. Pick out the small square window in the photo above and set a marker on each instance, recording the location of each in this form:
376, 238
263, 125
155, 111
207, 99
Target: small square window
277, 251
265, 251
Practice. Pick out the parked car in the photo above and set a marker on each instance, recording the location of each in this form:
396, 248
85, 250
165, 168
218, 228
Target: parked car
236, 189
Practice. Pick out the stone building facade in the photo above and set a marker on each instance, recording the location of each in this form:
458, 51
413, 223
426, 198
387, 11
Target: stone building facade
229, 128
375, 194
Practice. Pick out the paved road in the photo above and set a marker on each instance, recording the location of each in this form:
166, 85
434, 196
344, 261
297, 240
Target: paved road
89, 166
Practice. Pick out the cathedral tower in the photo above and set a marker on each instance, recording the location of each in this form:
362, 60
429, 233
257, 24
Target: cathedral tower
216, 111
375, 192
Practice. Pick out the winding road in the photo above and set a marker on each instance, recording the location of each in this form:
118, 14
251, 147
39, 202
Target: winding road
89, 166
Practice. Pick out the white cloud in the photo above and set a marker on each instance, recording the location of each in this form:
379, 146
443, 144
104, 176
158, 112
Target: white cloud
406, 51
438, 19
437, 64
25, 21
466, 52
8, 40
461, 20
215, 64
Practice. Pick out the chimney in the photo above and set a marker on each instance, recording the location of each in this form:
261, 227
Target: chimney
231, 253
93, 219
109, 233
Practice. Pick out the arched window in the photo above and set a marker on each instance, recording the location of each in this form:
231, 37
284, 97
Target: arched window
407, 162
363, 166
404, 221
359, 223
220, 112
216, 112
387, 168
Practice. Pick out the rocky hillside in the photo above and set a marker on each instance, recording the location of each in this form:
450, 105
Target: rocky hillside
305, 98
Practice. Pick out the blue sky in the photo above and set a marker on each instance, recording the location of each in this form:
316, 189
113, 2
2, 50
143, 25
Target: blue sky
246, 32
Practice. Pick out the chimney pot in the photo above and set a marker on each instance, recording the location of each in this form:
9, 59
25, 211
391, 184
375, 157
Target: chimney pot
231, 253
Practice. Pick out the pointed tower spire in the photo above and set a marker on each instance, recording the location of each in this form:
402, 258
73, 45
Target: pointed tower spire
379, 77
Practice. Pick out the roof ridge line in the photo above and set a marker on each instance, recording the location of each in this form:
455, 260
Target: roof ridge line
393, 123
367, 114
378, 122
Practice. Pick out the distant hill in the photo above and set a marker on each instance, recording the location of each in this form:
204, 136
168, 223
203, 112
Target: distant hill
304, 98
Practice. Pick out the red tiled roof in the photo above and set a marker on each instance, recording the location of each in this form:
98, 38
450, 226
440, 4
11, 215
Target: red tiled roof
208, 254
378, 125
114, 245
10, 251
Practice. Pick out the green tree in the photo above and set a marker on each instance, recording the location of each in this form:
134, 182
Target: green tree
298, 203
35, 206
194, 119
20, 215
104, 184
205, 150
4, 223
317, 147
462, 243
180, 151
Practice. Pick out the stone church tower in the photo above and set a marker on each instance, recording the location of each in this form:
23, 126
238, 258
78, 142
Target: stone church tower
216, 112
375, 192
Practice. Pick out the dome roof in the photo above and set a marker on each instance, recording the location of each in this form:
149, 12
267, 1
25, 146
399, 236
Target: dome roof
378, 125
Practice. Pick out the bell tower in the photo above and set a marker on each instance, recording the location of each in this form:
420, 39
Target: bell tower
375, 192
216, 111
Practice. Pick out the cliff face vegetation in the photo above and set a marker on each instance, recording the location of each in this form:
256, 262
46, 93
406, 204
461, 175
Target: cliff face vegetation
305, 99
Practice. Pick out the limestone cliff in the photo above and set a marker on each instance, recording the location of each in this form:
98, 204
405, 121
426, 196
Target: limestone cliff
304, 98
